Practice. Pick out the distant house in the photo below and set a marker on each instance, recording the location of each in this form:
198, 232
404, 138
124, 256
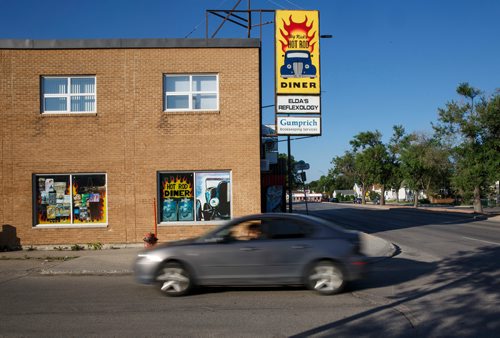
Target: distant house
300, 196
404, 193
337, 193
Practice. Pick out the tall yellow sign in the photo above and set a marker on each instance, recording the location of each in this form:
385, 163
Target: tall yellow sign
297, 52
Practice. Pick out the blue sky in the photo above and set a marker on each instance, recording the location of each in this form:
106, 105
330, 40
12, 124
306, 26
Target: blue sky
389, 61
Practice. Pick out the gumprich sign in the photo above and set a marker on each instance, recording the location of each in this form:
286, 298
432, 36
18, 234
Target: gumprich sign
297, 52
298, 104
298, 125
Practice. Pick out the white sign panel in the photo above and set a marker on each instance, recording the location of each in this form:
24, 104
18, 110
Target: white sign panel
298, 104
286, 125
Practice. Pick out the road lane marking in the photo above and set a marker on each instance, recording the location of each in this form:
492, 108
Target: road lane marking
480, 240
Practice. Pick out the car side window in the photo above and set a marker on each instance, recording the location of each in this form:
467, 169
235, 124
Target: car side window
280, 228
248, 230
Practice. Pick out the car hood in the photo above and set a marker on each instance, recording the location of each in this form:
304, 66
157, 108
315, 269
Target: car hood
179, 243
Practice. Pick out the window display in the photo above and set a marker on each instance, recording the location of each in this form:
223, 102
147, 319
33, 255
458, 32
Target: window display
176, 197
70, 199
194, 196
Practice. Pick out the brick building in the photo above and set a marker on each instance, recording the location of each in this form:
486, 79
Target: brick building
94, 131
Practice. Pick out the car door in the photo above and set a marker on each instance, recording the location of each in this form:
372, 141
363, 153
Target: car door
291, 248
237, 260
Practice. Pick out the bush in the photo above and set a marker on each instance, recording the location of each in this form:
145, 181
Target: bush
424, 201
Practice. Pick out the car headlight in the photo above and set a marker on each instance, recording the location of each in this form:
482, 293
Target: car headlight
150, 257
307, 66
289, 66
214, 202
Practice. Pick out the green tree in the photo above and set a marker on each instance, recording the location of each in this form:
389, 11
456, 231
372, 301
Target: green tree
343, 171
283, 160
424, 163
323, 185
396, 144
473, 132
371, 161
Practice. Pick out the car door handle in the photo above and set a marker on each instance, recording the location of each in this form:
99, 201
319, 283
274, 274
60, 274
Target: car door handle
300, 246
248, 249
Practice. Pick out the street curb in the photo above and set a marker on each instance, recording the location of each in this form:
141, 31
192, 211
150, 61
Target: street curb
382, 249
87, 273
486, 216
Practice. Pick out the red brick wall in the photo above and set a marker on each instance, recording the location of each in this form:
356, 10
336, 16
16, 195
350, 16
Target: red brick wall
130, 138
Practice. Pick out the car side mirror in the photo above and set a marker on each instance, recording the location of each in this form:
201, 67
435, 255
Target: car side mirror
227, 239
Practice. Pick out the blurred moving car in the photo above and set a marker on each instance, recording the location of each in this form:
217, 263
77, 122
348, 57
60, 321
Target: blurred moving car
290, 249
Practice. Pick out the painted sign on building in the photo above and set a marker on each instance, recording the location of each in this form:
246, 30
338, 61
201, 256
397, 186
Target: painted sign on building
297, 52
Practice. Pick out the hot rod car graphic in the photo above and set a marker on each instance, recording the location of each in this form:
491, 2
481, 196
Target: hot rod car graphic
297, 63
216, 203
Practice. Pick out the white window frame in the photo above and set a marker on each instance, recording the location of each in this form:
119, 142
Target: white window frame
69, 95
189, 93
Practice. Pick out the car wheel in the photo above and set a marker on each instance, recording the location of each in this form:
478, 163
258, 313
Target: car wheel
173, 280
326, 278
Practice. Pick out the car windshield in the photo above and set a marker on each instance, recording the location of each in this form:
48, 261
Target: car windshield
216, 234
298, 55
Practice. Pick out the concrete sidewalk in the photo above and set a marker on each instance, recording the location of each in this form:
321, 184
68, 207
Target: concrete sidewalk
118, 261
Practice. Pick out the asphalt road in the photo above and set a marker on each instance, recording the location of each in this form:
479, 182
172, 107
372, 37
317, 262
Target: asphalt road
443, 282
445, 279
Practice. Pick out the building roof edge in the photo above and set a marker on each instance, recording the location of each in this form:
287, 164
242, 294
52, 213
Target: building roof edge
128, 43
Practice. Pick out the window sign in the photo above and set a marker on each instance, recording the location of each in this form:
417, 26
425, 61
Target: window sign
213, 196
70, 199
194, 196
177, 197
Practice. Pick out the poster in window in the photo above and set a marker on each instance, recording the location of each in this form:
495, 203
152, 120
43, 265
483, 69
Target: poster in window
89, 199
176, 197
50, 204
213, 196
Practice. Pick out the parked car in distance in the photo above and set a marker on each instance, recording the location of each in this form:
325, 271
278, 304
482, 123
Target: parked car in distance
334, 200
264, 249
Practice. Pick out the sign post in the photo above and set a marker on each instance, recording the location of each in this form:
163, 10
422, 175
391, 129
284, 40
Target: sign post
297, 79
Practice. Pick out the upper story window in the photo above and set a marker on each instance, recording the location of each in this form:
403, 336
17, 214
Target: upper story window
69, 94
191, 92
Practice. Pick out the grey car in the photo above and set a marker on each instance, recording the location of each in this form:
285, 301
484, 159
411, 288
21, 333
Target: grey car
264, 249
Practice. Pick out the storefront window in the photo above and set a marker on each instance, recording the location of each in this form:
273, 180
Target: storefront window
70, 199
194, 196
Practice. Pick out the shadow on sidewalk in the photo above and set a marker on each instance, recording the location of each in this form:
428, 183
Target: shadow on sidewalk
461, 300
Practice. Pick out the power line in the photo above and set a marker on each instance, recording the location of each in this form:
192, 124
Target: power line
293, 4
202, 21
275, 3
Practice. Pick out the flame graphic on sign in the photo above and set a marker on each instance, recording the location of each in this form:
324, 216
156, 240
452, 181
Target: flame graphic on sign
294, 28
180, 183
